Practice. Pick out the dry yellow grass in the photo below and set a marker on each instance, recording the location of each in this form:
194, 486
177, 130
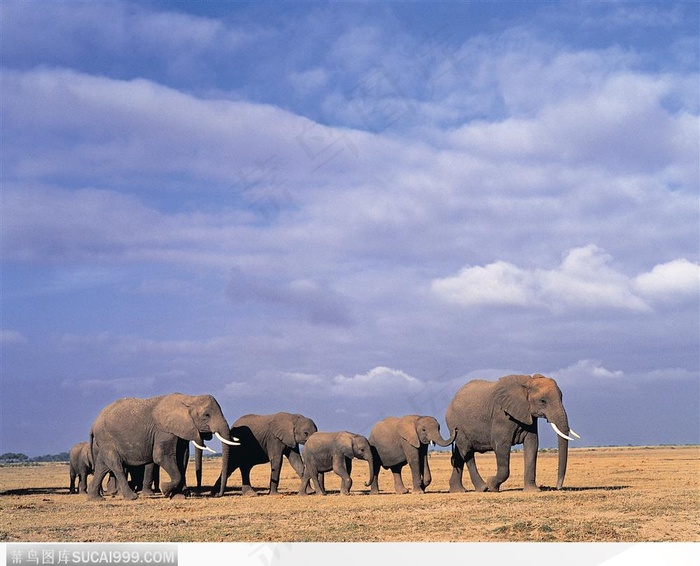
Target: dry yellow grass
626, 494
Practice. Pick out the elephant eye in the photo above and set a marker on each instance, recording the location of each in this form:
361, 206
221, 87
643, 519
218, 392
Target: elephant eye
543, 401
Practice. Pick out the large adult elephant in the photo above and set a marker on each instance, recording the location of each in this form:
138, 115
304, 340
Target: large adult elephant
135, 432
80, 466
493, 416
397, 441
267, 438
326, 451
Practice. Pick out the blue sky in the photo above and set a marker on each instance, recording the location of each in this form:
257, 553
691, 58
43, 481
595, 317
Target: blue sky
349, 210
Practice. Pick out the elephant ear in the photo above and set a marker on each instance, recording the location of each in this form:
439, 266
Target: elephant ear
172, 414
407, 431
511, 396
344, 443
282, 427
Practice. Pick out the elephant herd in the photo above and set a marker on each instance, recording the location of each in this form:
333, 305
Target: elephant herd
135, 438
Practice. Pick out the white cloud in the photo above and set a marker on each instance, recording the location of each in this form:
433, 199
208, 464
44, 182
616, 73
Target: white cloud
584, 371
378, 381
498, 283
675, 280
584, 279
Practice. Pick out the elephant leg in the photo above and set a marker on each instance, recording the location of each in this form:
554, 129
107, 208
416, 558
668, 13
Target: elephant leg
275, 469
317, 478
95, 489
71, 487
427, 476
417, 465
399, 487
112, 488
117, 469
474, 475
376, 465
343, 467
502, 467
457, 471
168, 460
246, 487
82, 483
530, 447
148, 480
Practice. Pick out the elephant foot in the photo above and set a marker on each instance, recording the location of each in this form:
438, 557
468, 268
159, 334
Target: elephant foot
95, 497
532, 487
493, 487
130, 496
178, 496
419, 491
457, 489
248, 492
148, 493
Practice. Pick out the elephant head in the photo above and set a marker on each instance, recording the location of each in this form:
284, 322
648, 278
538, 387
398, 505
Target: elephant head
357, 446
526, 398
292, 429
422, 430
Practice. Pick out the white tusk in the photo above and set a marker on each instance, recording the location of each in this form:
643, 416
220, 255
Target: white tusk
229, 442
572, 433
203, 447
560, 433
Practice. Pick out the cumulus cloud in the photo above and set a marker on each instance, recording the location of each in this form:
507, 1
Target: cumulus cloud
670, 281
585, 279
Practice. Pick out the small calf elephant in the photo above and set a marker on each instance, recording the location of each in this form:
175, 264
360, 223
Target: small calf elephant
397, 441
326, 451
80, 466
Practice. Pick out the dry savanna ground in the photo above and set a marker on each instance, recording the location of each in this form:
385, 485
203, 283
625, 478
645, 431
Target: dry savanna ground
626, 494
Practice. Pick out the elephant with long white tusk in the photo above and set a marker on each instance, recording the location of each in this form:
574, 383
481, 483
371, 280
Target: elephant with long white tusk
158, 430
493, 416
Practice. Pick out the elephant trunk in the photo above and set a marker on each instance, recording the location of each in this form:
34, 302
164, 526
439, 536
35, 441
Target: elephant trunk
561, 425
440, 441
198, 467
370, 459
563, 449
224, 434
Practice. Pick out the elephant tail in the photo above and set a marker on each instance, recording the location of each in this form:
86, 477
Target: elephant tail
90, 455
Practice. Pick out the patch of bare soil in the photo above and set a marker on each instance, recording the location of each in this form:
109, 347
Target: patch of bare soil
619, 494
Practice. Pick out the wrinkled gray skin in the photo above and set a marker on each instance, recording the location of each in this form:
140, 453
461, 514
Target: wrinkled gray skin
136, 432
493, 416
267, 438
397, 441
80, 466
326, 451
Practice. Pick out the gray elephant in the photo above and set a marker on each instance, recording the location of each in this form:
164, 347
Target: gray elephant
80, 466
326, 451
267, 438
397, 441
136, 432
493, 416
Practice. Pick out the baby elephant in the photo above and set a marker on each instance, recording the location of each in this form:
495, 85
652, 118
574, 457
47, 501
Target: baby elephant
326, 451
397, 441
80, 466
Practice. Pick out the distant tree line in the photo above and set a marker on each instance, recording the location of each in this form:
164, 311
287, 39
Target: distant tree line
19, 458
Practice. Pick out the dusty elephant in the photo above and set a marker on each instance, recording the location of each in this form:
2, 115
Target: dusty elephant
326, 451
80, 467
136, 432
267, 438
397, 441
493, 416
